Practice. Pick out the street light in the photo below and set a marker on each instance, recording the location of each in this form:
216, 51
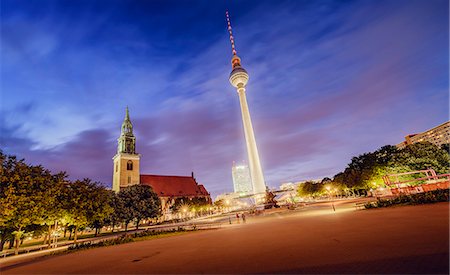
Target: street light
329, 196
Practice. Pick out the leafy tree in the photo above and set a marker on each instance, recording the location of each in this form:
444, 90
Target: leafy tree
423, 155
115, 217
446, 147
219, 204
53, 212
79, 207
25, 187
310, 188
101, 207
360, 172
140, 202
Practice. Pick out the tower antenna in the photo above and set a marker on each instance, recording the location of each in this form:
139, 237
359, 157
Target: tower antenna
233, 48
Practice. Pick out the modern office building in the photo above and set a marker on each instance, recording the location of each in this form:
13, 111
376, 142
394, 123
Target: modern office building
242, 182
438, 135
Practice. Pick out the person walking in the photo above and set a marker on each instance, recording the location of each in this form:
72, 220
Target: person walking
243, 217
237, 218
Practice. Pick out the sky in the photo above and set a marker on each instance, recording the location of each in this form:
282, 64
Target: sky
329, 80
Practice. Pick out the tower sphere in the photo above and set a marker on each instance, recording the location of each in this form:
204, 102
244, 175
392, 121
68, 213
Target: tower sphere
238, 76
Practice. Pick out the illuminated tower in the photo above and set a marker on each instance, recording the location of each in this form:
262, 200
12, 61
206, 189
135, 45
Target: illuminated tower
239, 78
126, 161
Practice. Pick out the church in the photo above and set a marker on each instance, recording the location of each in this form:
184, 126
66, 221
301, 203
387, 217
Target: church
168, 188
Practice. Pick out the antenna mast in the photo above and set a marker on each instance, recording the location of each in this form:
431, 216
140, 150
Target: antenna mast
233, 48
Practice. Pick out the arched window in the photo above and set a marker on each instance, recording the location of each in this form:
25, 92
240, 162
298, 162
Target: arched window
129, 165
117, 167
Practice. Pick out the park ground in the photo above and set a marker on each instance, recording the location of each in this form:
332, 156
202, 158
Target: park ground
404, 239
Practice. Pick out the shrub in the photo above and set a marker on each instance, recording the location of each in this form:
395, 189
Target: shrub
123, 239
439, 195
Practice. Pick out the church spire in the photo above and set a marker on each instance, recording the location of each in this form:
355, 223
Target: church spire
127, 127
127, 141
127, 114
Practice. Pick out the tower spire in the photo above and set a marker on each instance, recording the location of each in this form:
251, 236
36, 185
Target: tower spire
235, 60
127, 126
233, 48
127, 114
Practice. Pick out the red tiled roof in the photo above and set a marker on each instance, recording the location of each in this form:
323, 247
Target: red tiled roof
174, 186
203, 190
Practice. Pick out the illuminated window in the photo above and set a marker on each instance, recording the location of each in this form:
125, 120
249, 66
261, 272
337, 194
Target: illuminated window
130, 165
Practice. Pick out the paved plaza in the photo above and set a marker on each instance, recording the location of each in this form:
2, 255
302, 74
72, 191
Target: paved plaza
408, 239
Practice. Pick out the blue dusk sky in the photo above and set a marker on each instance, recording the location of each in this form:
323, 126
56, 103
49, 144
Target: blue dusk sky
328, 80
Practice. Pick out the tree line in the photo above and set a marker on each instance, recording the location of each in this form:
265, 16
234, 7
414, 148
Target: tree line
366, 171
35, 202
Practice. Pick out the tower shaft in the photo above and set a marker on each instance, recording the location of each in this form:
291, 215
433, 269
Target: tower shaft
239, 78
256, 173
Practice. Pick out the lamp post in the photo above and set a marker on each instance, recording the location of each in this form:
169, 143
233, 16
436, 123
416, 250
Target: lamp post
329, 196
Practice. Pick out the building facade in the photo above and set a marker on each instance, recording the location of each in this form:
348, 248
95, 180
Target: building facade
171, 188
242, 182
438, 135
168, 188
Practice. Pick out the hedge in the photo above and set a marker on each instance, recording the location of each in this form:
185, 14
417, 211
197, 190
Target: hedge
439, 195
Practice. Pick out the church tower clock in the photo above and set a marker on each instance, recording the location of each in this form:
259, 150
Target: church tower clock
126, 161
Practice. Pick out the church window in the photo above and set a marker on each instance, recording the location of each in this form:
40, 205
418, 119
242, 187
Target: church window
129, 179
117, 167
130, 165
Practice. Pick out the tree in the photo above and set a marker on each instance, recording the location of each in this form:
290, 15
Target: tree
423, 155
115, 217
79, 204
101, 207
367, 170
53, 212
360, 172
310, 188
23, 195
219, 204
140, 202
446, 147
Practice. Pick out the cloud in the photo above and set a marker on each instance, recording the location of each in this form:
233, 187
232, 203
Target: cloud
328, 80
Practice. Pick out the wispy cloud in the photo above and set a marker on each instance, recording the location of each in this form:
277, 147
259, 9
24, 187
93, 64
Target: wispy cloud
328, 80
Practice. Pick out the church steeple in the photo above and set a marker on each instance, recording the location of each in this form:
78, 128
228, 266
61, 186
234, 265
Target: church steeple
126, 161
127, 141
127, 127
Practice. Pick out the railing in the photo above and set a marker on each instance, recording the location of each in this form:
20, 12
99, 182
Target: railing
431, 177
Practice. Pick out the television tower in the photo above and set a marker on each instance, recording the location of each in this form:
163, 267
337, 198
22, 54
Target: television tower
239, 78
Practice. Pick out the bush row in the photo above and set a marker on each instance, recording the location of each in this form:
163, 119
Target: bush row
123, 239
439, 195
